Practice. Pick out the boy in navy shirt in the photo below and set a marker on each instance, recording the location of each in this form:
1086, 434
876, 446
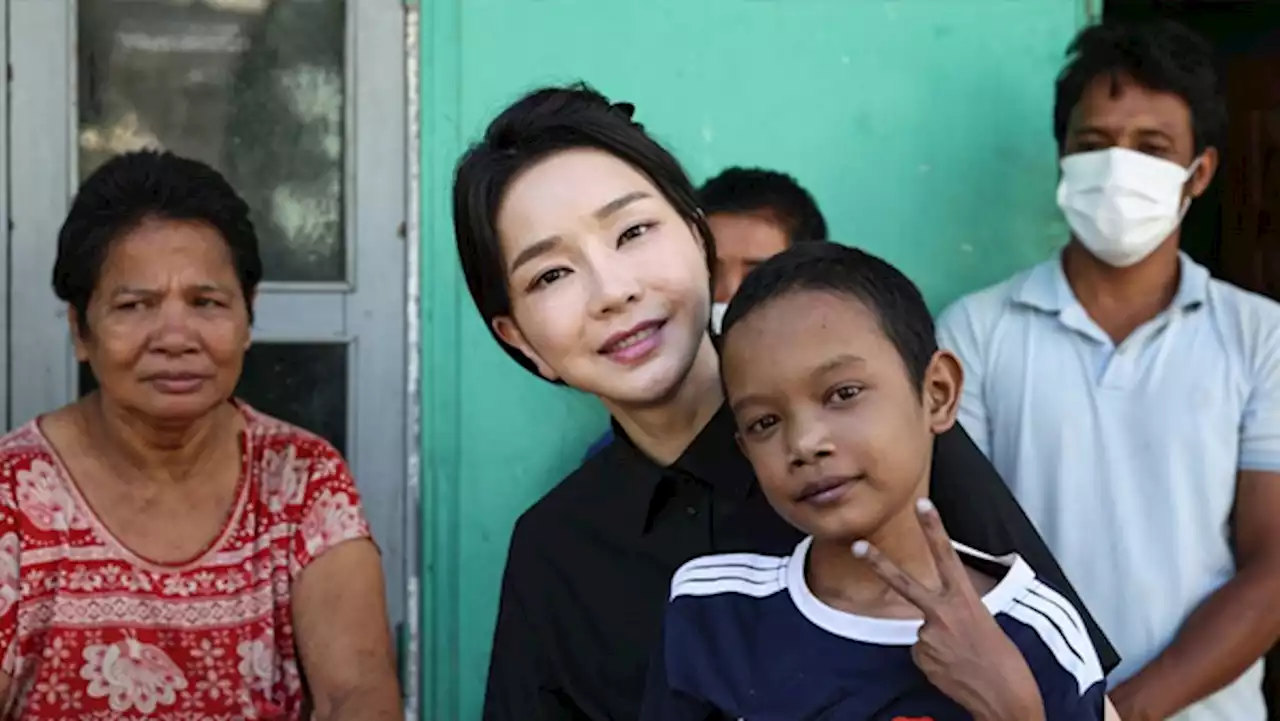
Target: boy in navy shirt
837, 386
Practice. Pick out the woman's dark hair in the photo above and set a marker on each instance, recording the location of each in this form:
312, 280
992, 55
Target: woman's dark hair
1160, 55
830, 267
132, 188
541, 123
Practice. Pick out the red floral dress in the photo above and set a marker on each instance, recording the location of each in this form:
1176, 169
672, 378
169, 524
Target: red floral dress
90, 630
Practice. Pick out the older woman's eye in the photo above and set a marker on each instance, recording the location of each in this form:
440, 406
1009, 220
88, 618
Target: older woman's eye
128, 305
209, 303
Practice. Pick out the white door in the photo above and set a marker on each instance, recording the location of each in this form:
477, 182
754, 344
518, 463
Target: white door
301, 103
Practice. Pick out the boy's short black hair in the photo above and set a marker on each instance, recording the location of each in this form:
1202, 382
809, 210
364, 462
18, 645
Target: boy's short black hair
883, 289
756, 190
539, 124
1160, 55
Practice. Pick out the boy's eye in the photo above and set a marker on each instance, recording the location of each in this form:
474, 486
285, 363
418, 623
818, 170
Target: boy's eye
762, 424
846, 393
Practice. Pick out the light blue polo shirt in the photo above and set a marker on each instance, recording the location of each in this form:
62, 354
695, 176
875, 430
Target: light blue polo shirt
1125, 457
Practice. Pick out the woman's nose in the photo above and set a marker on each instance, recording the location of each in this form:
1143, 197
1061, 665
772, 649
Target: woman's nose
615, 287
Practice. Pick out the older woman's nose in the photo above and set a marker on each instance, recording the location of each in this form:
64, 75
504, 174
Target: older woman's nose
174, 330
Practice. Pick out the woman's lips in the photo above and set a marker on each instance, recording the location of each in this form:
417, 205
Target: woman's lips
634, 345
177, 383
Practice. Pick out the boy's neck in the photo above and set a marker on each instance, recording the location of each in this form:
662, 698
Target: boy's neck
665, 430
844, 582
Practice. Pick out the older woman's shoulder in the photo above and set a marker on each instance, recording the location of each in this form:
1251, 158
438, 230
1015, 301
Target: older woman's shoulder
297, 471
272, 434
22, 448
304, 482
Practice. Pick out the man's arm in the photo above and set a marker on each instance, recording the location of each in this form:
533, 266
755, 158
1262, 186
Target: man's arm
1236, 625
1232, 628
340, 616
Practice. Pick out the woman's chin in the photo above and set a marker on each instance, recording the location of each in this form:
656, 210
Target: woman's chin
176, 409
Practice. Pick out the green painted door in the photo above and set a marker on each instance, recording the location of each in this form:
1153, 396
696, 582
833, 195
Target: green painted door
922, 126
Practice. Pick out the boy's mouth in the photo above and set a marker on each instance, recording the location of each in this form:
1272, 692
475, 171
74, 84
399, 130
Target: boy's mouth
825, 491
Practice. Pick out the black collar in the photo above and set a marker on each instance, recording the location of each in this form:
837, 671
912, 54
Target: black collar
712, 459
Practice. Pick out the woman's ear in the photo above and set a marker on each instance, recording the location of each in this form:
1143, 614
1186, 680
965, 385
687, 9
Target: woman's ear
943, 383
506, 329
75, 324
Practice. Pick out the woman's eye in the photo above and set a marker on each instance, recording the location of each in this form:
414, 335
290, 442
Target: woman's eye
207, 303
129, 305
634, 232
549, 277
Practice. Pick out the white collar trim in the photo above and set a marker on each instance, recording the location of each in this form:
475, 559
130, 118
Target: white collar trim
895, 631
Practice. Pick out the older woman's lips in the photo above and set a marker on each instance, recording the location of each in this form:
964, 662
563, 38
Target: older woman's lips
177, 384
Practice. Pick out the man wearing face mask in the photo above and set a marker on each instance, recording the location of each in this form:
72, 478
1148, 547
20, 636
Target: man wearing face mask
754, 214
1130, 400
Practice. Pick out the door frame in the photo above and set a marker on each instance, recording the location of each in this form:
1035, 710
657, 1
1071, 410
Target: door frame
373, 312
5, 145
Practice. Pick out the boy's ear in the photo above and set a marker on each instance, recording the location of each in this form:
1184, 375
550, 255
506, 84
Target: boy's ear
943, 383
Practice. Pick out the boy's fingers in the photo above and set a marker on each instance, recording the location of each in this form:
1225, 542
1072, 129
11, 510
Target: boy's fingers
894, 577
946, 560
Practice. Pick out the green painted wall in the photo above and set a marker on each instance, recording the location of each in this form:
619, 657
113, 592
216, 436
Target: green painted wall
922, 126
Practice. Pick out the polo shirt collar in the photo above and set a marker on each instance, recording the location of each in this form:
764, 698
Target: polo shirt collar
1046, 288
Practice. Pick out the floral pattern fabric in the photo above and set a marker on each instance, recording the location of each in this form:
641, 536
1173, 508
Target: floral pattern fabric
90, 630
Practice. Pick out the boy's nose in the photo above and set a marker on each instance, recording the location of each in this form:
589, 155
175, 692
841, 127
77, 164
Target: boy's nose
810, 443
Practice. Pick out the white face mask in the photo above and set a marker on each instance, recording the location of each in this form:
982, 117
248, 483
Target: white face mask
1122, 204
717, 316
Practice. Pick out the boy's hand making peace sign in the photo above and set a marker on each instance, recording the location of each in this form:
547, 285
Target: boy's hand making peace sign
961, 649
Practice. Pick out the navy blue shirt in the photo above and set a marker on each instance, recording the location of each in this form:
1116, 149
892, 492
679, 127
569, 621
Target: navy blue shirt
745, 638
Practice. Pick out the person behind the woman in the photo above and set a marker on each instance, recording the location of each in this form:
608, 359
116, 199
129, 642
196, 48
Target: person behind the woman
585, 251
166, 551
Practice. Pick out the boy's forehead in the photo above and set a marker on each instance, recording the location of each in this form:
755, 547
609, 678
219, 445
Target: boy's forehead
800, 329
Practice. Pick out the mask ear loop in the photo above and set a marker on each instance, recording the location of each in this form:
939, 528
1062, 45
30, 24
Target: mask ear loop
1191, 173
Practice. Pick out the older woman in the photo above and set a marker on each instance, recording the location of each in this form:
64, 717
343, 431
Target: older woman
166, 551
